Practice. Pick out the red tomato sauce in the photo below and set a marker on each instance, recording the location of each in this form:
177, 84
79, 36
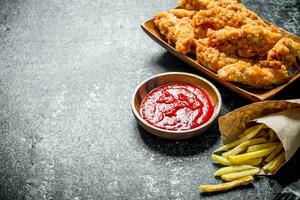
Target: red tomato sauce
177, 107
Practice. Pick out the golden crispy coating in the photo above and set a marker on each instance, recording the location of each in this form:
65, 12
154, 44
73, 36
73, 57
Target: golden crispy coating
164, 22
180, 13
247, 41
253, 75
194, 4
177, 30
212, 58
185, 36
270, 64
200, 32
286, 51
203, 4
224, 13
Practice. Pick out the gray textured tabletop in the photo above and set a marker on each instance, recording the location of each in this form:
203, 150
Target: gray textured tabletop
67, 73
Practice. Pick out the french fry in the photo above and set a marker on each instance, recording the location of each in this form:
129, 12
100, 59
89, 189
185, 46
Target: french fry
239, 175
273, 136
248, 130
274, 153
243, 146
243, 157
253, 162
277, 162
261, 146
250, 134
262, 133
224, 161
221, 160
251, 155
266, 167
232, 169
226, 186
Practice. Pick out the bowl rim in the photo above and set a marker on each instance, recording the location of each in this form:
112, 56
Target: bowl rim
207, 123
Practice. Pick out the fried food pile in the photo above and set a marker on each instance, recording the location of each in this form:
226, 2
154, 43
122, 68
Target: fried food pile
230, 40
257, 150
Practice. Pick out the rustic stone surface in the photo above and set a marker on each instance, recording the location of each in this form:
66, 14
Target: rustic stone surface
67, 73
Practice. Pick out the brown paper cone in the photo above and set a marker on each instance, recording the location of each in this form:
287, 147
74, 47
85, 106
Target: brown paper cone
234, 123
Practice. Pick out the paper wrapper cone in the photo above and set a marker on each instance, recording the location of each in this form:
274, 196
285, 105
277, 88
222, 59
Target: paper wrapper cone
281, 116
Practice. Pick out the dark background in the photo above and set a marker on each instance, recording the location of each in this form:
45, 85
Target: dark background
67, 73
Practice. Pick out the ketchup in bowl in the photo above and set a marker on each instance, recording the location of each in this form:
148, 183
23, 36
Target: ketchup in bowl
177, 107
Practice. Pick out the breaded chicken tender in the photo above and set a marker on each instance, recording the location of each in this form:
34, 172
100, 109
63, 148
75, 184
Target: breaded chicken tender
203, 4
194, 4
180, 13
247, 41
225, 13
287, 51
270, 64
212, 58
219, 14
178, 31
253, 75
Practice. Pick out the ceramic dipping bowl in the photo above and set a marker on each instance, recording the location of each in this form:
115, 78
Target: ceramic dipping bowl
170, 78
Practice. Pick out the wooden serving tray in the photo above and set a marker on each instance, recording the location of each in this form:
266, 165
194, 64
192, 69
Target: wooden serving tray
248, 93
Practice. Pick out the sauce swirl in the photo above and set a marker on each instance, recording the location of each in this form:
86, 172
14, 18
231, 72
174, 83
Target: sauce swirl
177, 107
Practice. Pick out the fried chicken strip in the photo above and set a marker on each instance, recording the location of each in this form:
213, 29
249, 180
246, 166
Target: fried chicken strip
225, 13
287, 51
219, 14
203, 4
176, 26
180, 13
253, 75
247, 41
270, 64
211, 57
194, 4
